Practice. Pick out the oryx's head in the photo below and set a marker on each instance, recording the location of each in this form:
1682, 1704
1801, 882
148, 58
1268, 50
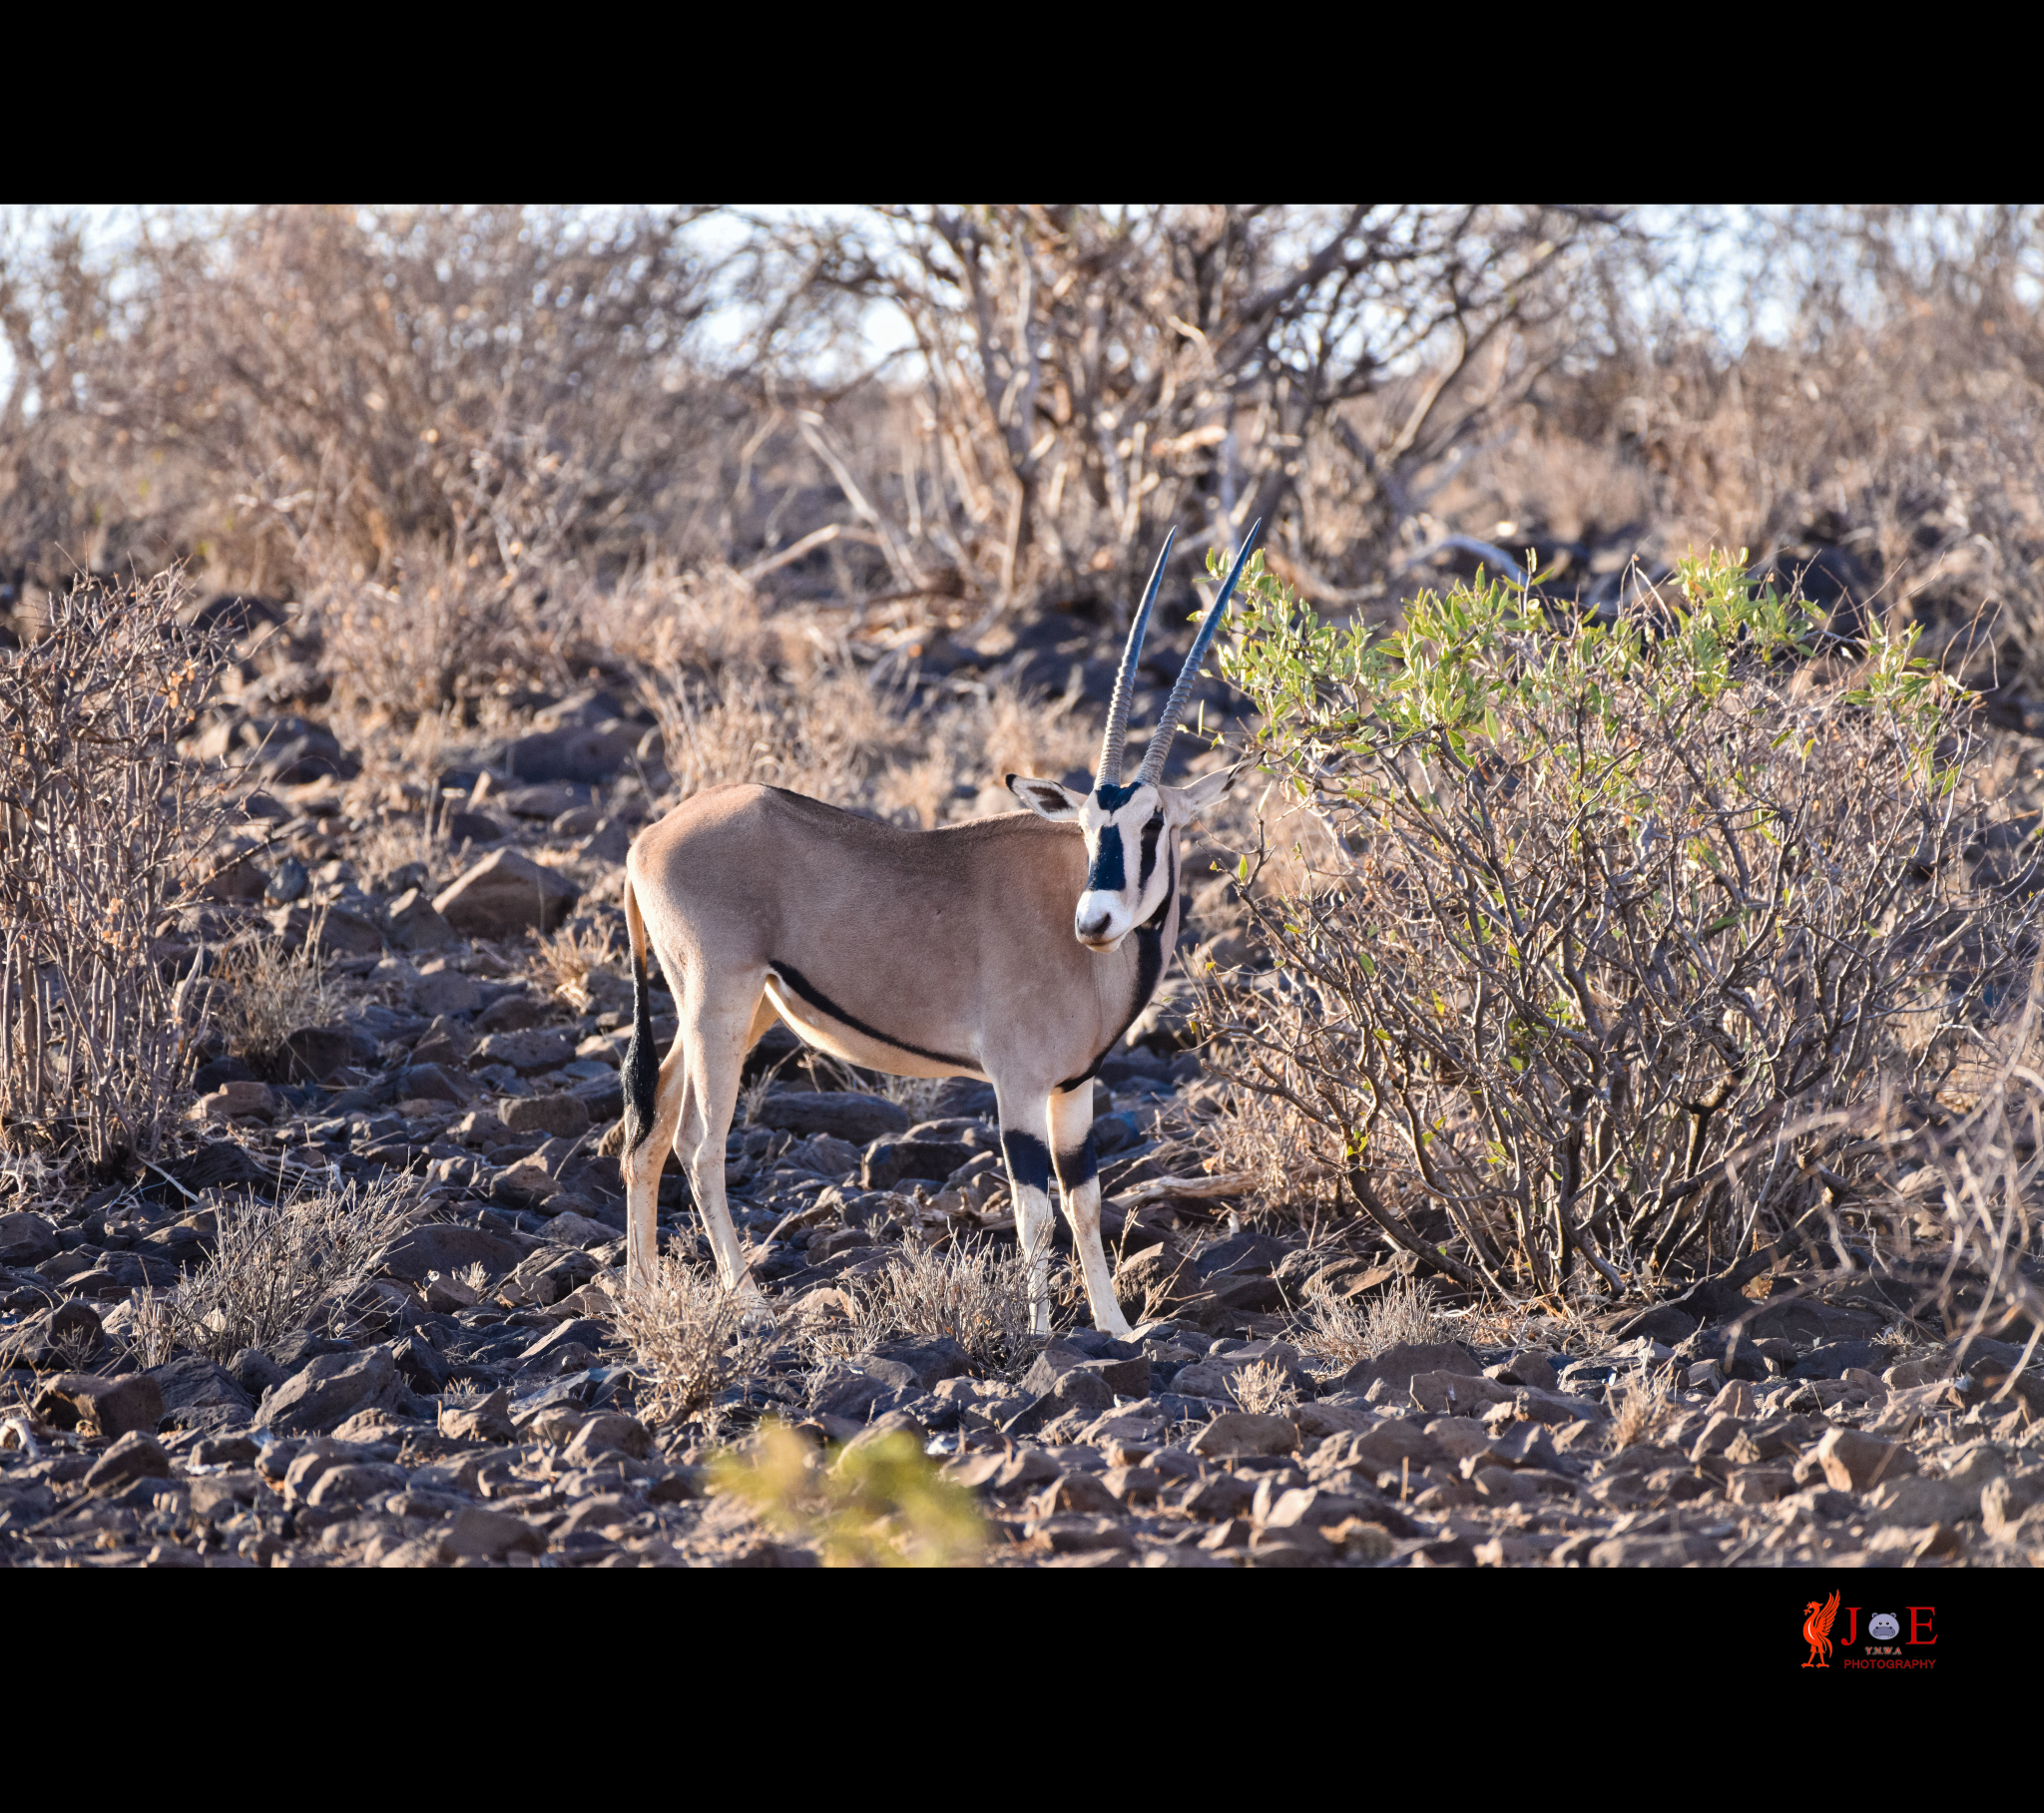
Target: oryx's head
1129, 830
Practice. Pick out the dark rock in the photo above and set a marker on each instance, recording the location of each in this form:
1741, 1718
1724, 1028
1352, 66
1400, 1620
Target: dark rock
585, 756
1661, 1323
488, 1536
110, 1407
1712, 1300
583, 1329
255, 1372
220, 1073
195, 1382
1857, 1462
512, 1013
504, 895
1831, 1362
1126, 1375
1080, 1388
962, 1097
927, 1360
135, 1456
843, 1114
473, 828
448, 1247
315, 1053
446, 992
1246, 1252
27, 1240
329, 1390
216, 1164
559, 1116
1399, 1363
536, 1048
609, 1434
424, 1370
415, 924
488, 1420
225, 1451
436, 1083
889, 1162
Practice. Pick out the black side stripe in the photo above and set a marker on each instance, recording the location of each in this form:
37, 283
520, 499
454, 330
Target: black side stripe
1149, 968
824, 1005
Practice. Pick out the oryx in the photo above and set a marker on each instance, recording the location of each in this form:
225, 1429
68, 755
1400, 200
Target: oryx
1016, 949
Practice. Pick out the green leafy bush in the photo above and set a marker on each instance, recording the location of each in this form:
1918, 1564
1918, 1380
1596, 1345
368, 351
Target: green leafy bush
1613, 931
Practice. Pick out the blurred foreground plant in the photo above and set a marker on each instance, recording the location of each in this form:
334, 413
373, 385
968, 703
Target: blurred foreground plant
881, 1503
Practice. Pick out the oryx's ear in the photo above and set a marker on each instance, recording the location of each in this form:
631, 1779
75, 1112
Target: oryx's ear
1189, 802
1046, 798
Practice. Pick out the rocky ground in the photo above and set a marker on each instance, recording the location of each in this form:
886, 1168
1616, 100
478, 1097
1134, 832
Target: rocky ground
1284, 1402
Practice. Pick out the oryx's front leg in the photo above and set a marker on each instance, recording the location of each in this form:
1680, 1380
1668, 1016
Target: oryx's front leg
1071, 1145
1029, 1183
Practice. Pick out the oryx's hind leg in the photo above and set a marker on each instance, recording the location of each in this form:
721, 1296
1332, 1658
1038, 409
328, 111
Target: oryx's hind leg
1078, 1167
1029, 1183
716, 1034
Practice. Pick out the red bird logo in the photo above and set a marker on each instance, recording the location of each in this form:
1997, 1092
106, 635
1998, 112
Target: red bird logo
1817, 1630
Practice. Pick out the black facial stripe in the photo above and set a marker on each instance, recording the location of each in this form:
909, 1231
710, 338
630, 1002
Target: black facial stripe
824, 1005
1150, 832
1112, 797
1028, 1158
1078, 1169
1108, 875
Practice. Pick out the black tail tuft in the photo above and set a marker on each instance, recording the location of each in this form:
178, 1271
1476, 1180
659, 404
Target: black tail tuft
642, 1067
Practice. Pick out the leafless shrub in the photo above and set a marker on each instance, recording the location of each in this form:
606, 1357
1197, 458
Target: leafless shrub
278, 1266
691, 1335
269, 991
103, 832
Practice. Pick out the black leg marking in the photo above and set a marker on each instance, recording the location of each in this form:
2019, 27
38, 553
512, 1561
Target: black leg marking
1028, 1158
1078, 1169
642, 1067
824, 1005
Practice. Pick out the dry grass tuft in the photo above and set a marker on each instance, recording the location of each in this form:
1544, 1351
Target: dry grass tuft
1347, 1332
1644, 1410
278, 1267
1264, 1388
570, 958
693, 1337
269, 992
973, 1290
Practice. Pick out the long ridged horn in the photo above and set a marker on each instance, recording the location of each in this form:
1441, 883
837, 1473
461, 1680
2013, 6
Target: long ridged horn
1166, 726
1110, 774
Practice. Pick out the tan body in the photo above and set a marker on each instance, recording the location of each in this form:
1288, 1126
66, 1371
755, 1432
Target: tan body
955, 946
